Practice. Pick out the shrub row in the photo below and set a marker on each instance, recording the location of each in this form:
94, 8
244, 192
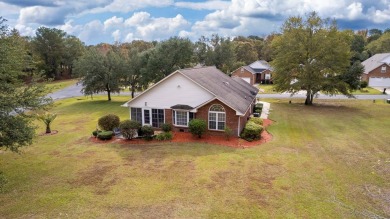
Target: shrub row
252, 130
164, 136
105, 135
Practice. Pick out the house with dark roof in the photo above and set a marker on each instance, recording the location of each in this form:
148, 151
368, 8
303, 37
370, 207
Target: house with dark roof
259, 72
203, 93
377, 70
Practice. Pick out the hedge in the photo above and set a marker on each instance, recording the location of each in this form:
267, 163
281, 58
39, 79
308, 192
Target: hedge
105, 135
252, 131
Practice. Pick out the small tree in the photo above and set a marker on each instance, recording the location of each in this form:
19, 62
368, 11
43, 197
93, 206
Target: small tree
109, 122
129, 128
197, 127
47, 118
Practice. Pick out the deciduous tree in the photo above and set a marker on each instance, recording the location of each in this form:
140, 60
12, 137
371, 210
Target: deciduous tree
312, 55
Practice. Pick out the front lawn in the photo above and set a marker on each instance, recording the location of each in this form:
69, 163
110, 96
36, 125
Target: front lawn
331, 160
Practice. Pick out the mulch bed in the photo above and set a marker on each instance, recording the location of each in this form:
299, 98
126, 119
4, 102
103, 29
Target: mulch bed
184, 137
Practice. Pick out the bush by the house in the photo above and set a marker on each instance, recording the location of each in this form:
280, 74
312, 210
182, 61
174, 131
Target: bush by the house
105, 135
129, 128
258, 108
252, 131
109, 122
228, 133
257, 120
363, 84
147, 132
166, 127
96, 132
197, 127
163, 136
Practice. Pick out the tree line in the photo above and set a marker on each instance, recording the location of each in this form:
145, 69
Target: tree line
310, 53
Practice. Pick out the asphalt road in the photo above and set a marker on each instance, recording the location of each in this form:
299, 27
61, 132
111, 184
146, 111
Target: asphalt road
323, 96
75, 91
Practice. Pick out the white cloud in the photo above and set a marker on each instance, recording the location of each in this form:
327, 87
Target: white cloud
132, 5
112, 22
25, 30
116, 35
139, 18
90, 31
355, 11
42, 15
208, 5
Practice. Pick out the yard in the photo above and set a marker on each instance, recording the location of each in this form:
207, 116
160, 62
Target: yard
331, 160
269, 89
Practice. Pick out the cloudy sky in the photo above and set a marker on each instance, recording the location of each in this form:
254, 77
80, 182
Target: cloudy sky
95, 21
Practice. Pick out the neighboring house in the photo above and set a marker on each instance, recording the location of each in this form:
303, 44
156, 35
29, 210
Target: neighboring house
259, 72
203, 93
377, 70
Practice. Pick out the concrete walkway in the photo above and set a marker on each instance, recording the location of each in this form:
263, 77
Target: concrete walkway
265, 110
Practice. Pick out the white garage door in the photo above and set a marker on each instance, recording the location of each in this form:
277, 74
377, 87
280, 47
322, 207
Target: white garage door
379, 82
247, 80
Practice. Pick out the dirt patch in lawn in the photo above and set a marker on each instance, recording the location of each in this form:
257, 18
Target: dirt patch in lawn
184, 137
53, 132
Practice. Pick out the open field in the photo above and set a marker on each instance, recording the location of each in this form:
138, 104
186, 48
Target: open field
331, 160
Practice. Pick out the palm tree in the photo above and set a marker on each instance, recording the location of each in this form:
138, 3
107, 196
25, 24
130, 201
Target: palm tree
47, 118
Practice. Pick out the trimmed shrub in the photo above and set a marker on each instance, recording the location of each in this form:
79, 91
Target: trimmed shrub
363, 84
96, 132
109, 122
129, 128
166, 127
252, 131
228, 133
147, 132
164, 136
105, 135
197, 127
257, 120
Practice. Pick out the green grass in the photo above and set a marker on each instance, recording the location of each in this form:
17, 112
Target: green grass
267, 89
331, 160
367, 90
58, 85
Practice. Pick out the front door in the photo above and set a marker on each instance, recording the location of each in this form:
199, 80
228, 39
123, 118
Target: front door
146, 120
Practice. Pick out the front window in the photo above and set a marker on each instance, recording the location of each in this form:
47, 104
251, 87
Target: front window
136, 114
217, 117
383, 70
182, 118
157, 117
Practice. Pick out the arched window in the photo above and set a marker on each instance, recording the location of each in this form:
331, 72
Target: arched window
217, 117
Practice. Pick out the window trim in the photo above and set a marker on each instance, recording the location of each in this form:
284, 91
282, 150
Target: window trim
216, 118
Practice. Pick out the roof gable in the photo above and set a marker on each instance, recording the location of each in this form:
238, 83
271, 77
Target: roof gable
235, 93
260, 65
376, 61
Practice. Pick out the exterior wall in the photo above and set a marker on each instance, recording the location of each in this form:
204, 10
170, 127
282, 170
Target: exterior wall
177, 89
231, 117
245, 118
377, 73
244, 74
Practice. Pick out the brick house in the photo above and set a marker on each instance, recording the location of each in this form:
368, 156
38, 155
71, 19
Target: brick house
203, 93
377, 70
259, 72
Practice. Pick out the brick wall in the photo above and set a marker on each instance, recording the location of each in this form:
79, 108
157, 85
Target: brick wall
377, 73
244, 74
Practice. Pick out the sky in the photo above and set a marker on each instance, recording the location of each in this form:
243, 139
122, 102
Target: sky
109, 21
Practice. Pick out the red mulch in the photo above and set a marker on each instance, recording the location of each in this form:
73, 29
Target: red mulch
180, 137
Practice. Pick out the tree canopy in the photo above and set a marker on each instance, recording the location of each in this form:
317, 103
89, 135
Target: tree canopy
312, 55
16, 97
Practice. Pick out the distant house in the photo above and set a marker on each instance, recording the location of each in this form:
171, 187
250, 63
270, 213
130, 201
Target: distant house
259, 72
204, 93
377, 70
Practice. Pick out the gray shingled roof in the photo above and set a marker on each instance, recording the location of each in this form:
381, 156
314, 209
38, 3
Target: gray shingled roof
236, 93
374, 62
